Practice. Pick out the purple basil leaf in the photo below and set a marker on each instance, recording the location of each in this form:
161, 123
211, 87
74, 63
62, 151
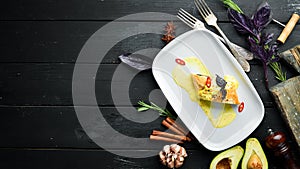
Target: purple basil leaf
267, 38
241, 22
257, 50
262, 17
137, 61
273, 53
224, 93
220, 81
251, 41
274, 49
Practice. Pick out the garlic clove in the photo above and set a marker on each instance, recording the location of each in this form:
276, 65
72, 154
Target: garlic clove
180, 158
171, 164
178, 164
183, 152
167, 149
175, 148
162, 157
169, 159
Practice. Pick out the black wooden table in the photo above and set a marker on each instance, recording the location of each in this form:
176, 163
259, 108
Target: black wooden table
40, 44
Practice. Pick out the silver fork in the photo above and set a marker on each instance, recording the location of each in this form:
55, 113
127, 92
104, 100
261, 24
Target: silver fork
195, 23
211, 19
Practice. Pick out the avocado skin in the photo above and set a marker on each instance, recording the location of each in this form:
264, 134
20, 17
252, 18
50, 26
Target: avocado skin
253, 146
234, 154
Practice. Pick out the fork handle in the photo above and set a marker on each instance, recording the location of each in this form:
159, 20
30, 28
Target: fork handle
244, 52
242, 61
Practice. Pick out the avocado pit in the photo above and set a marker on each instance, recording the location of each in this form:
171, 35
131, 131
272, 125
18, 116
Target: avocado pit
224, 164
228, 159
254, 157
254, 162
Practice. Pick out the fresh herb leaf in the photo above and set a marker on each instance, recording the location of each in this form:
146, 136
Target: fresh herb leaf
136, 61
232, 5
262, 17
265, 52
277, 69
143, 109
242, 23
162, 112
220, 81
224, 93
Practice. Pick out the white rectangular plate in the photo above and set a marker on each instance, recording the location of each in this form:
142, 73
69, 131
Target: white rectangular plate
218, 60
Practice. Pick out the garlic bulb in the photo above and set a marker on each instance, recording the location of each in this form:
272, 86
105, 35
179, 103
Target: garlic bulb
172, 155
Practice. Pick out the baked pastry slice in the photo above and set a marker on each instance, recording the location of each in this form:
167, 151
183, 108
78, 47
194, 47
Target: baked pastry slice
216, 89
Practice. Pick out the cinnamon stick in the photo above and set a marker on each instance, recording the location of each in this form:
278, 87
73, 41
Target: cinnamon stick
169, 126
169, 135
180, 128
158, 138
176, 125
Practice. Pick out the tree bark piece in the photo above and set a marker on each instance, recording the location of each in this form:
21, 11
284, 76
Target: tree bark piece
292, 57
287, 97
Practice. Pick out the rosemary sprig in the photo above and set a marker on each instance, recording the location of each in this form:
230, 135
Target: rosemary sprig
162, 112
277, 69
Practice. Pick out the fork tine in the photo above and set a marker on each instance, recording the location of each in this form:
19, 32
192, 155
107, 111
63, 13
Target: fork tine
185, 15
188, 14
206, 6
184, 20
200, 8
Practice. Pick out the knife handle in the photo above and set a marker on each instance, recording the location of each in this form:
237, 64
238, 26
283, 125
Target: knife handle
276, 141
288, 28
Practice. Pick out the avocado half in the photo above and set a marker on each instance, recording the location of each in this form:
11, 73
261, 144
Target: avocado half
228, 159
254, 157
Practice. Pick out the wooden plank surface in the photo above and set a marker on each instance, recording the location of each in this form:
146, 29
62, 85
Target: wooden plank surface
110, 10
26, 126
40, 42
27, 142
52, 84
90, 159
57, 41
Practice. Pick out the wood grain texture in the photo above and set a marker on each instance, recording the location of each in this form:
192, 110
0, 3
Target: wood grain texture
40, 42
57, 41
287, 97
292, 57
65, 144
110, 10
25, 126
51, 84
91, 159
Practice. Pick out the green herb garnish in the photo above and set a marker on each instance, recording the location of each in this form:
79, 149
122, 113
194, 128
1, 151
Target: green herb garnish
277, 69
232, 5
162, 112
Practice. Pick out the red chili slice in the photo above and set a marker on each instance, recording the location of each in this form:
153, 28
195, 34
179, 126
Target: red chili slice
241, 107
208, 82
180, 61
